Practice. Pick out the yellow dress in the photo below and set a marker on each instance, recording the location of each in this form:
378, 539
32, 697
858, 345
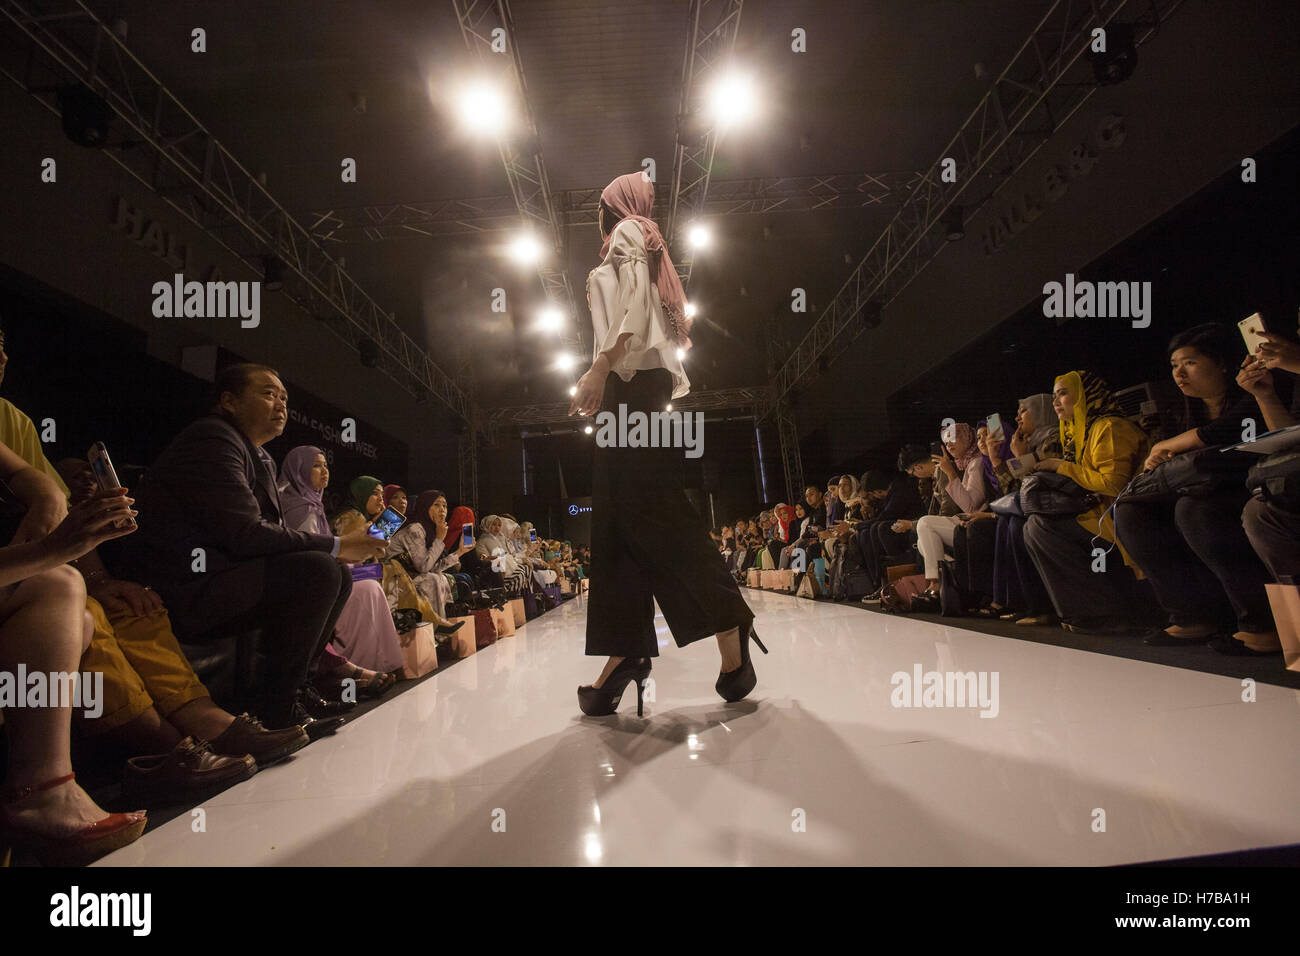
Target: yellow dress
398, 586
1113, 453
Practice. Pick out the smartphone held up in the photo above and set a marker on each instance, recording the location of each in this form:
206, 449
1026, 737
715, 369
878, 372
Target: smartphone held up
106, 476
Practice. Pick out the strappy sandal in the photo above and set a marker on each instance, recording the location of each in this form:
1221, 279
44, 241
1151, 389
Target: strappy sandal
85, 846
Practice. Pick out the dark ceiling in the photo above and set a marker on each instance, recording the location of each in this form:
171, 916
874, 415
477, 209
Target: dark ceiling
883, 86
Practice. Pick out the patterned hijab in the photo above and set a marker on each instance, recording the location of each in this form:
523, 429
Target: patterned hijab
962, 434
632, 197
1093, 400
360, 490
298, 499
1046, 428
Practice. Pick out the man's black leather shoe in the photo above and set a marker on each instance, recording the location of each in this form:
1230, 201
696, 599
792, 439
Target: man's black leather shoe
318, 707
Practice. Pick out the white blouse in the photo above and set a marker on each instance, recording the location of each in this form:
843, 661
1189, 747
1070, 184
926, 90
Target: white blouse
623, 299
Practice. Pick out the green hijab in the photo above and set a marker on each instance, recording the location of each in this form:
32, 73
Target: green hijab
360, 491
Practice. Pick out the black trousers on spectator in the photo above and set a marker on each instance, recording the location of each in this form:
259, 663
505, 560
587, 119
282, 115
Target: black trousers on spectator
974, 548
1275, 536
1062, 552
879, 547
1016, 582
294, 599
648, 543
1198, 559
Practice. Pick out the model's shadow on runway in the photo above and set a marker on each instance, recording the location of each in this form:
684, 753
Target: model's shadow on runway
728, 784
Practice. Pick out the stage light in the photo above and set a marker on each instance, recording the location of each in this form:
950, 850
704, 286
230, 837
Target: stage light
1120, 59
690, 310
681, 354
573, 390
564, 361
699, 236
588, 429
550, 319
483, 108
733, 100
953, 223
525, 249
669, 408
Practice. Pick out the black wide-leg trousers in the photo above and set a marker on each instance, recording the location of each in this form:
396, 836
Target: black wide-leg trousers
648, 543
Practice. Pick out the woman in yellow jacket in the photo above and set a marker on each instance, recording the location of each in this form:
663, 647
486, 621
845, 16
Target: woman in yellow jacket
1102, 451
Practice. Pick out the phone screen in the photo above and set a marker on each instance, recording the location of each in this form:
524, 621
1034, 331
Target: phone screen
467, 535
1250, 331
532, 535
387, 524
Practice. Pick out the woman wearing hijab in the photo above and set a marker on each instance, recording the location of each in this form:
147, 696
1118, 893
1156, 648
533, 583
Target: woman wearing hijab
420, 547
959, 476
492, 552
469, 561
533, 557
648, 546
395, 498
1101, 451
1018, 592
365, 644
974, 541
367, 501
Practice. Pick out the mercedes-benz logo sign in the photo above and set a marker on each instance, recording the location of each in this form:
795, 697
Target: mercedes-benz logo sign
573, 509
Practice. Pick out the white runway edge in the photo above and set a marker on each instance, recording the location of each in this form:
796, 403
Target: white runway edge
491, 762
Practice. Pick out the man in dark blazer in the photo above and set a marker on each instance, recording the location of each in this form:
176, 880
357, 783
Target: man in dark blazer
212, 543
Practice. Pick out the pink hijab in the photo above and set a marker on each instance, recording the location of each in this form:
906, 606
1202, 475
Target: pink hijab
632, 197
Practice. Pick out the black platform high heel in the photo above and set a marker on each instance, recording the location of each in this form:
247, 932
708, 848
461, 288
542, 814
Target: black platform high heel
736, 685
603, 701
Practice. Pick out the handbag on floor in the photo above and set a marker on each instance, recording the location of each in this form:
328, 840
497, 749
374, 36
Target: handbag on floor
808, 586
485, 629
900, 594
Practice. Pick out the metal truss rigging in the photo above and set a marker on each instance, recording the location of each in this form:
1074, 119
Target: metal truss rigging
63, 46
713, 25
1031, 99
577, 207
521, 155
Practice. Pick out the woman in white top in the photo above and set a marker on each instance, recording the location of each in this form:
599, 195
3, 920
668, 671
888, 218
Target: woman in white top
648, 543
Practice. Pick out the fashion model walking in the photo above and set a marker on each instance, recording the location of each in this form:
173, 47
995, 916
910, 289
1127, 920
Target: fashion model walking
648, 544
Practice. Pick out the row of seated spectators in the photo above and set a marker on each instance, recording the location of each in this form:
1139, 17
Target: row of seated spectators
1201, 559
217, 542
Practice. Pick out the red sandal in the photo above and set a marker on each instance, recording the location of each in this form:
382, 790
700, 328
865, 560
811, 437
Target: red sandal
99, 839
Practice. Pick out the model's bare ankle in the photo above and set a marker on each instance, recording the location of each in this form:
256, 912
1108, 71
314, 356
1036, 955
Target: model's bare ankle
729, 646
612, 663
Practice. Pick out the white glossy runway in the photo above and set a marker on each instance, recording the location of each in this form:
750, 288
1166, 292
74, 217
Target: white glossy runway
491, 762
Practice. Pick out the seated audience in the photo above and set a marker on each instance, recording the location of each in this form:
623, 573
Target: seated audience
1018, 592
1192, 548
44, 628
898, 498
491, 548
366, 502
1101, 451
212, 542
395, 498
365, 646
420, 546
1274, 529
155, 710
964, 483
